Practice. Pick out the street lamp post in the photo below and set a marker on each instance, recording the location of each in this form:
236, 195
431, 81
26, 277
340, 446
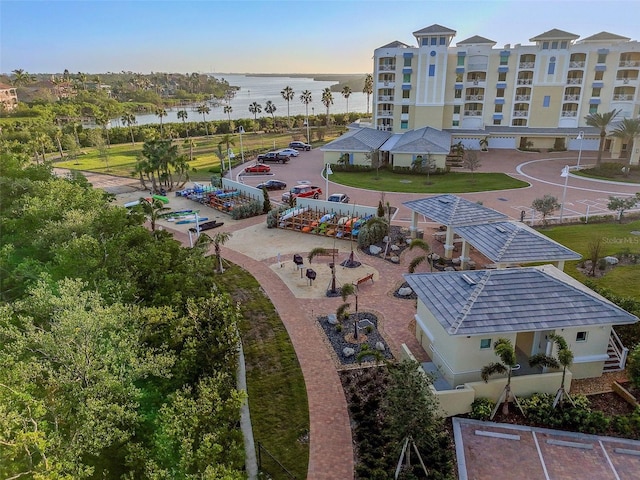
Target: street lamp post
580, 137
241, 131
327, 172
307, 122
565, 174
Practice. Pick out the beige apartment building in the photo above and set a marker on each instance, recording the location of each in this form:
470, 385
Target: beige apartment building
539, 93
8, 97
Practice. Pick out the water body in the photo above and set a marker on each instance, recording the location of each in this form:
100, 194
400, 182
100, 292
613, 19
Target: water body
260, 90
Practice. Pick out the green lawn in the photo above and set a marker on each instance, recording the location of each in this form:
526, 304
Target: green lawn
615, 238
453, 182
277, 392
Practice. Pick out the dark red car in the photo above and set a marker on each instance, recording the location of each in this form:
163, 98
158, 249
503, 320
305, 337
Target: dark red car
258, 168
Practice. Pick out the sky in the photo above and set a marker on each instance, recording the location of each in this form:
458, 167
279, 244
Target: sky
264, 36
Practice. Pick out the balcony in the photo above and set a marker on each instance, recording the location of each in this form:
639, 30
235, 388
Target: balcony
385, 113
521, 113
387, 68
626, 80
473, 113
570, 113
575, 64
623, 98
474, 98
477, 67
574, 81
571, 98
526, 65
629, 63
525, 81
385, 128
523, 98
385, 98
387, 83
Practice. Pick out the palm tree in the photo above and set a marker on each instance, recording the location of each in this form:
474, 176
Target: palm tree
323, 251
227, 140
255, 108
503, 349
306, 99
22, 77
565, 359
204, 110
270, 108
288, 94
601, 121
160, 113
327, 100
424, 246
183, 115
346, 290
82, 78
346, 93
152, 210
368, 89
228, 109
627, 130
220, 239
129, 119
102, 119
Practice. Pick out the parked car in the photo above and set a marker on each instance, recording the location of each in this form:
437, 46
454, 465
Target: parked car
258, 168
273, 157
338, 197
300, 146
302, 191
272, 185
289, 152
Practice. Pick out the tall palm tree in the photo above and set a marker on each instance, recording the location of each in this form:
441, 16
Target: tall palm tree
204, 110
255, 108
508, 361
306, 99
346, 93
183, 115
601, 121
129, 119
102, 119
288, 94
228, 109
22, 77
368, 89
346, 290
152, 210
160, 113
627, 130
424, 246
327, 100
82, 78
564, 359
227, 140
270, 108
219, 239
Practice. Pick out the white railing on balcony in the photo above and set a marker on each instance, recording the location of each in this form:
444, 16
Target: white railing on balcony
571, 98
526, 64
521, 113
477, 66
474, 98
385, 113
570, 113
576, 64
473, 113
626, 80
476, 81
623, 98
629, 63
523, 98
387, 68
385, 98
385, 128
574, 81
388, 84
525, 81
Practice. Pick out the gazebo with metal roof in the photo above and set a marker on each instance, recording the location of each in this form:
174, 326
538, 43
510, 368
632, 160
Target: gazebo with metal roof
451, 211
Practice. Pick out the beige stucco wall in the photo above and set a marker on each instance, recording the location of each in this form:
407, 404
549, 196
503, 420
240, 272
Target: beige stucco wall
406, 159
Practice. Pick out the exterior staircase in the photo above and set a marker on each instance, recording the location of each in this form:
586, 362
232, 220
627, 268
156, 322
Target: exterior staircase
617, 354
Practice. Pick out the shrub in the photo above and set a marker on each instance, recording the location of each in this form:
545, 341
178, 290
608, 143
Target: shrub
633, 366
372, 233
247, 210
272, 216
481, 408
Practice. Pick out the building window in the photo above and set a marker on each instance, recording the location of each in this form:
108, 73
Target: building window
405, 108
552, 66
459, 77
457, 93
546, 101
593, 108
404, 124
599, 76
407, 62
500, 93
455, 123
485, 343
497, 122
456, 109
498, 108
406, 78
443, 41
545, 45
502, 76
434, 40
564, 44
432, 70
595, 92
581, 337
602, 58
554, 45
504, 59
425, 42
406, 93
461, 61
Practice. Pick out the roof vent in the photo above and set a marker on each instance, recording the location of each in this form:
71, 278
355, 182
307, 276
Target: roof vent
468, 279
444, 200
500, 229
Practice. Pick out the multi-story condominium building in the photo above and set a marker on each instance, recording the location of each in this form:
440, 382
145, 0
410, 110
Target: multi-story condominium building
8, 97
474, 87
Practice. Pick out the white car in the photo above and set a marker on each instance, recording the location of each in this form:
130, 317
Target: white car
338, 197
289, 152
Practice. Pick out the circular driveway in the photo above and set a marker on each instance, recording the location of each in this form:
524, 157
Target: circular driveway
541, 170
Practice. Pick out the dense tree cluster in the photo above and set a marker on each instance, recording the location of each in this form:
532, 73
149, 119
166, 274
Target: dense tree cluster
117, 354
